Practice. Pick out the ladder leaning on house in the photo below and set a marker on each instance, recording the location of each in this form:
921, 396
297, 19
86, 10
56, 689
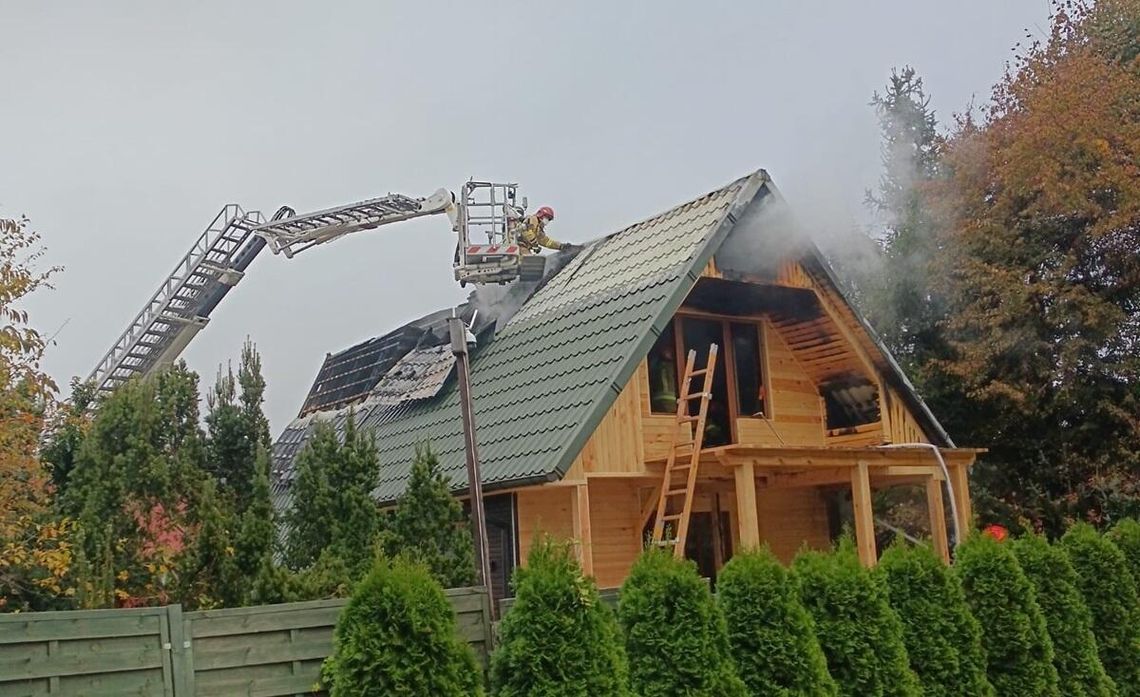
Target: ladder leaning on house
675, 505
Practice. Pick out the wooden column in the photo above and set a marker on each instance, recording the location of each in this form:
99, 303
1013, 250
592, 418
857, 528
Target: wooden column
937, 519
582, 531
864, 515
746, 511
960, 482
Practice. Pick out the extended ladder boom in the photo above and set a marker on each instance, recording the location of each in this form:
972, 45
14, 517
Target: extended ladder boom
181, 307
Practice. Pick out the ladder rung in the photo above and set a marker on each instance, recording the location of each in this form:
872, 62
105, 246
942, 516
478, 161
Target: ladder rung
674, 492
665, 543
695, 373
697, 395
672, 516
687, 419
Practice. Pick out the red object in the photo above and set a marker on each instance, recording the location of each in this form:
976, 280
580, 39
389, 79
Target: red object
996, 531
546, 212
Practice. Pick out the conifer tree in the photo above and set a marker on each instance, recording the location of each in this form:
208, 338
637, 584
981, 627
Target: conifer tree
397, 636
861, 635
257, 536
770, 634
209, 575
1066, 616
559, 638
332, 506
943, 640
1126, 536
675, 634
429, 525
1110, 593
1019, 653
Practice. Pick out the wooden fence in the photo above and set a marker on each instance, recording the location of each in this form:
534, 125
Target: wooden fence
268, 650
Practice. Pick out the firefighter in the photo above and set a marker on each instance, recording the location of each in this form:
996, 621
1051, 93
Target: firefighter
532, 235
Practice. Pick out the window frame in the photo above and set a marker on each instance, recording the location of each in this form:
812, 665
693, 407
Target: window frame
728, 355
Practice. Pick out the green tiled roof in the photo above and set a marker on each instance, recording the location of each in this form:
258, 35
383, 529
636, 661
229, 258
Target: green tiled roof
549, 376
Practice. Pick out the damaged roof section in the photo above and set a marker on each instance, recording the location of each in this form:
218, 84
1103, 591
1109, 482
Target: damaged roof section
551, 357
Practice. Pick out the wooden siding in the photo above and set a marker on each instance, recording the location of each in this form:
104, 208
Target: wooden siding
791, 518
797, 415
544, 509
615, 445
901, 424
614, 509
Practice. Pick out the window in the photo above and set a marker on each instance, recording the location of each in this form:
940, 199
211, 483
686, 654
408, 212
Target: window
738, 389
749, 372
663, 369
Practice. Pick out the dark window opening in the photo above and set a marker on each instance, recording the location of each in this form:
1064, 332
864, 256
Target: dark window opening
749, 376
663, 373
699, 335
709, 545
850, 403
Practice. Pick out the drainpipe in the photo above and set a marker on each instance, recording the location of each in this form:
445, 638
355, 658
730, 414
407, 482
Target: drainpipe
945, 478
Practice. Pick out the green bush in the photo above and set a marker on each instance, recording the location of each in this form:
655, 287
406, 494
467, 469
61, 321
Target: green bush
1110, 593
769, 632
675, 634
396, 636
1019, 654
559, 637
860, 634
1066, 616
1126, 536
943, 640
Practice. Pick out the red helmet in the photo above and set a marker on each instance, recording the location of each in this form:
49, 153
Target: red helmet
546, 212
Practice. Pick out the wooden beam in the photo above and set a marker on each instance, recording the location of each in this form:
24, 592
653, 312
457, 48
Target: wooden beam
960, 483
937, 519
864, 514
582, 530
792, 480
746, 509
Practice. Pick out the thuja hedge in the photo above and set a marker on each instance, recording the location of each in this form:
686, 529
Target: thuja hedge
559, 637
1126, 536
1110, 593
396, 636
943, 640
770, 633
1066, 617
1019, 652
860, 634
675, 634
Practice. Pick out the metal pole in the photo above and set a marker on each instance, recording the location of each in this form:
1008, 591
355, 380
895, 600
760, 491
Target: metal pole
459, 347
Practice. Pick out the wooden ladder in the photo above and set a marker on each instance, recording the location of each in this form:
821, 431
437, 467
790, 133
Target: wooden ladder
684, 457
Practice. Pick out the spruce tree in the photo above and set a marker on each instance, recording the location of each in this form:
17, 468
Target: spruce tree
1066, 616
429, 525
861, 635
943, 640
559, 637
770, 634
1110, 593
257, 535
675, 634
1019, 653
1126, 536
237, 428
397, 636
332, 506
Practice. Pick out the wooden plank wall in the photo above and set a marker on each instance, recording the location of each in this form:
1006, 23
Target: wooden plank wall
797, 414
789, 518
614, 511
615, 446
544, 509
903, 428
268, 650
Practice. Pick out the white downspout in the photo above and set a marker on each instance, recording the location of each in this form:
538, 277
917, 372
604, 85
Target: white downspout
946, 479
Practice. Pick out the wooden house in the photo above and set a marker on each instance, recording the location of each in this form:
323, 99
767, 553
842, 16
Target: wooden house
575, 380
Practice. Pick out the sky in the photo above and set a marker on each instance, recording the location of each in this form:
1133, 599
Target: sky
126, 126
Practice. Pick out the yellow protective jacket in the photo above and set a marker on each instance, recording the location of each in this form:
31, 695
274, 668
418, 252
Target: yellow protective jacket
532, 234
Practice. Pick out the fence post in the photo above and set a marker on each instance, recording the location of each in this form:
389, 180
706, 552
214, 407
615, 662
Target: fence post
181, 652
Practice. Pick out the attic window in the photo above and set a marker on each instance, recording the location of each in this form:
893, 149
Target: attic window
663, 373
850, 403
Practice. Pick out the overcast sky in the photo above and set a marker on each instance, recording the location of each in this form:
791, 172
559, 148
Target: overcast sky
125, 126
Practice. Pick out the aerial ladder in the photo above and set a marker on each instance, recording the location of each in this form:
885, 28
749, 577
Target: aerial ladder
218, 260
